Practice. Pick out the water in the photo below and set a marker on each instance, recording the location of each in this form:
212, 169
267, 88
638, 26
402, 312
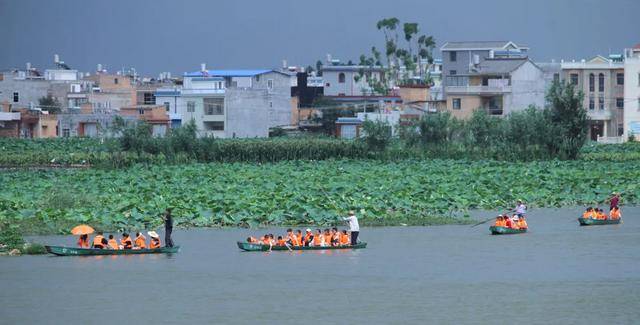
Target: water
558, 273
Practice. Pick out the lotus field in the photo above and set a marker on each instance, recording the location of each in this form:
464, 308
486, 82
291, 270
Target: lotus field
416, 192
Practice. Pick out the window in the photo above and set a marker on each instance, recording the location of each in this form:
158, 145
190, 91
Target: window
592, 80
453, 56
601, 102
141, 111
341, 78
327, 85
213, 106
574, 79
620, 129
167, 106
620, 103
620, 78
452, 72
149, 99
214, 126
115, 81
456, 103
65, 133
601, 82
191, 107
556, 77
16, 97
257, 77
592, 104
270, 83
270, 104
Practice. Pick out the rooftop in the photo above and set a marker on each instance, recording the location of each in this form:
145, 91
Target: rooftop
351, 68
481, 45
500, 65
229, 73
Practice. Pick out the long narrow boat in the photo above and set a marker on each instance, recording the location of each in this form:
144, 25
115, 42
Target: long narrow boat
250, 247
74, 251
506, 231
597, 222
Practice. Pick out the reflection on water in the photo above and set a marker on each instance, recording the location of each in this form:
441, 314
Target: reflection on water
556, 273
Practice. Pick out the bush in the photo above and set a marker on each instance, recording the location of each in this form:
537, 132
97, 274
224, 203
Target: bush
377, 134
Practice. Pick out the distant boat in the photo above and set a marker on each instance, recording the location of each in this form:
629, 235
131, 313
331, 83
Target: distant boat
250, 247
506, 231
597, 222
74, 251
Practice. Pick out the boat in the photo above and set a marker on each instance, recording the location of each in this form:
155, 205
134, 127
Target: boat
251, 247
597, 222
74, 251
506, 231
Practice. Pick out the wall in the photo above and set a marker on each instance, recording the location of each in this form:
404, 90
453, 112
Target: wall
350, 87
461, 65
527, 88
469, 103
632, 96
30, 91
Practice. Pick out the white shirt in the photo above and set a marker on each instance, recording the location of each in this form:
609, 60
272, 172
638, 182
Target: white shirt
521, 209
353, 223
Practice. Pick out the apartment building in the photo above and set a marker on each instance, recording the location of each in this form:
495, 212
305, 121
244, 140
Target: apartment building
602, 81
631, 99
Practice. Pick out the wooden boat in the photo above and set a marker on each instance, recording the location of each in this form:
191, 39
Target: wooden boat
597, 222
505, 231
250, 247
74, 251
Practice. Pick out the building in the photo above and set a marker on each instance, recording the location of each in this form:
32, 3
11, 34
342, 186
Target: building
459, 58
345, 80
499, 85
230, 103
155, 115
111, 91
602, 82
631, 98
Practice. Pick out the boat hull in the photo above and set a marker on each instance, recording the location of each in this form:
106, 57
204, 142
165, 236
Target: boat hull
505, 231
597, 222
73, 251
249, 247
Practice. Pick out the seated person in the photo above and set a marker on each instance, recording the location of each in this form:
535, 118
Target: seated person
600, 215
126, 241
280, 241
499, 221
252, 240
113, 244
308, 238
155, 240
99, 242
522, 223
141, 241
345, 239
615, 213
318, 238
588, 214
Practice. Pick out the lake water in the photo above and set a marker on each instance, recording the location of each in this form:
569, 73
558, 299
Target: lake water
558, 273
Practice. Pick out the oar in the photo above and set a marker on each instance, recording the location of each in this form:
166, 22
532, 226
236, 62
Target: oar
481, 222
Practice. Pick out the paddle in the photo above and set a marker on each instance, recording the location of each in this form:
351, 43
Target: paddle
481, 222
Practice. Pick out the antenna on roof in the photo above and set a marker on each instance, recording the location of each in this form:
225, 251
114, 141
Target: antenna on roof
56, 59
203, 67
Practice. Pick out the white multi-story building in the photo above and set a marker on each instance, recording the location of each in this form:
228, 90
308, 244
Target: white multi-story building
230, 103
631, 99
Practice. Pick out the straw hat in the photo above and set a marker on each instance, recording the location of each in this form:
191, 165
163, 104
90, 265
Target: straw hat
308, 230
153, 234
352, 213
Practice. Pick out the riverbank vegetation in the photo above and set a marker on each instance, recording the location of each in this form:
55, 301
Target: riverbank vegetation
414, 192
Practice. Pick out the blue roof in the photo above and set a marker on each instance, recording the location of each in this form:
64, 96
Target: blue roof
227, 73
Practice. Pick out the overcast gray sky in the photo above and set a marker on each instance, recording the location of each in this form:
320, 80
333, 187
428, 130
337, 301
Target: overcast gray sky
177, 35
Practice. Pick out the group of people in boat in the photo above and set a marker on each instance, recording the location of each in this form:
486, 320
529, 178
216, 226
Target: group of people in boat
598, 214
513, 222
125, 242
319, 238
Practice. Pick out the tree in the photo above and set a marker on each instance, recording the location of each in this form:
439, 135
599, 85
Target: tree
50, 103
401, 61
568, 120
377, 134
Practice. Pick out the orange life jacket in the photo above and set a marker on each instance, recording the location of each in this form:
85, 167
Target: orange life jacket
344, 239
113, 244
307, 237
126, 242
141, 241
280, 242
317, 240
252, 240
327, 239
293, 239
155, 243
97, 241
615, 214
523, 224
299, 239
586, 215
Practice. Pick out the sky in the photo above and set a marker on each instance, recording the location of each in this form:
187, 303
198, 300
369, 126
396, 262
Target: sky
178, 35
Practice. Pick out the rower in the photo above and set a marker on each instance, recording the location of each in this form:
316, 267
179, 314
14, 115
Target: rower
141, 241
126, 241
521, 209
155, 240
113, 244
99, 242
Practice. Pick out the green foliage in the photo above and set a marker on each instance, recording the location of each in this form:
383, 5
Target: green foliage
377, 134
50, 103
568, 120
10, 235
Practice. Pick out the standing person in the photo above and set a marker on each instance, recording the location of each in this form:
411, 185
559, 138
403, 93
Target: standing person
168, 228
354, 227
614, 201
521, 209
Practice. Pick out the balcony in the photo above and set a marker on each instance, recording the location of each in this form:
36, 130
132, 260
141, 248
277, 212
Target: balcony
599, 114
478, 90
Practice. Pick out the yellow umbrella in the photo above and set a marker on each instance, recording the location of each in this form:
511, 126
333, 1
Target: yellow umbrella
82, 230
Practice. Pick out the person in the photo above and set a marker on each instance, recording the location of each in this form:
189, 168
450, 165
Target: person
522, 223
113, 244
614, 201
83, 241
335, 237
140, 241
99, 242
292, 240
588, 214
507, 222
615, 213
252, 240
600, 215
280, 241
344, 238
521, 209
318, 238
328, 237
155, 240
499, 221
126, 241
354, 228
299, 237
308, 237
168, 227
